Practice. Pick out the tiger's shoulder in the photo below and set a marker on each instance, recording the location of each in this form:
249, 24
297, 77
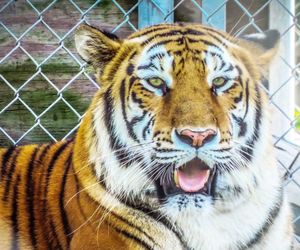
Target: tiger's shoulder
26, 177
18, 160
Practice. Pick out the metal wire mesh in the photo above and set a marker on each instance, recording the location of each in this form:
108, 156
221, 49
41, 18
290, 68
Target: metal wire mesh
45, 87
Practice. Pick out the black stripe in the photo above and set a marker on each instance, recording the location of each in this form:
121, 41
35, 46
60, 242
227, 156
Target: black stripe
122, 154
133, 54
132, 237
197, 51
136, 99
163, 158
167, 150
30, 198
130, 69
65, 221
242, 125
272, 215
247, 151
258, 114
55, 244
43, 154
230, 68
131, 82
239, 69
108, 109
175, 52
132, 225
214, 34
164, 34
39, 192
9, 175
151, 30
163, 42
14, 215
109, 34
222, 158
208, 43
238, 98
223, 64
156, 216
247, 97
160, 218
137, 119
5, 160
129, 224
219, 40
121, 58
147, 66
51, 165
55, 157
147, 127
158, 55
108, 118
123, 103
189, 31
78, 193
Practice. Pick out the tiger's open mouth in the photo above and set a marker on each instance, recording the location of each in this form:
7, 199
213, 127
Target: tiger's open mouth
194, 177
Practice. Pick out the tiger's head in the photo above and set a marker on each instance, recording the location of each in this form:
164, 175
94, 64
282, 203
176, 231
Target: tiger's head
180, 121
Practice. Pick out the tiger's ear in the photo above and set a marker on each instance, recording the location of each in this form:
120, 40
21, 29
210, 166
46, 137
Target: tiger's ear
95, 46
263, 46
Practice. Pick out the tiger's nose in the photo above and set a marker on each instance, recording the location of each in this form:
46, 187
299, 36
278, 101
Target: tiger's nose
196, 138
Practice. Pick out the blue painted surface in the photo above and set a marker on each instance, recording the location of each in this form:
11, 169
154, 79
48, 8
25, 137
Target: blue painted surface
154, 12
160, 11
214, 13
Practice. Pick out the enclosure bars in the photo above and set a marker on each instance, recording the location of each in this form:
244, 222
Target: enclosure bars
160, 11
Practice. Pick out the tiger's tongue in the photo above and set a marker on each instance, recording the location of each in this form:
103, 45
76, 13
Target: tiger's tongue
192, 179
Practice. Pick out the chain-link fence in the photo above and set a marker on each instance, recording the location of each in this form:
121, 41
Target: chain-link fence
45, 87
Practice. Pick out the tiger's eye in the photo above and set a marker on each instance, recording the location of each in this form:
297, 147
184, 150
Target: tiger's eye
219, 81
156, 82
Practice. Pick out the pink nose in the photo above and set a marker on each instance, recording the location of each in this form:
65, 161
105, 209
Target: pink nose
196, 138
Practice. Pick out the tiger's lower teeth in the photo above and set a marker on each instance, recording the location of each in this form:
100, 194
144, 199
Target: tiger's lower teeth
176, 178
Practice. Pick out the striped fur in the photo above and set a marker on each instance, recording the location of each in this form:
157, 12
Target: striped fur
104, 188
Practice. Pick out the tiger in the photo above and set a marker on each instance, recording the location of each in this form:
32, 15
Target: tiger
174, 152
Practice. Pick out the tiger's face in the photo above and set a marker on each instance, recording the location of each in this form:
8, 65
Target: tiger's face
178, 120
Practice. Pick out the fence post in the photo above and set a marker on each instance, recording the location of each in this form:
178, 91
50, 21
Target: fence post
214, 13
154, 12
282, 81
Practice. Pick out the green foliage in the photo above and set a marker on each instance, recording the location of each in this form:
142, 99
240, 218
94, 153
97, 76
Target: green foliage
297, 115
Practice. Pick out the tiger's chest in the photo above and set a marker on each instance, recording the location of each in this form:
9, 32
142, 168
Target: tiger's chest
246, 227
